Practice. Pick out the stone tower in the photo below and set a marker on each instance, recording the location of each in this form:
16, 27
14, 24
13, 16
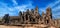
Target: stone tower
43, 17
35, 15
49, 12
48, 15
36, 10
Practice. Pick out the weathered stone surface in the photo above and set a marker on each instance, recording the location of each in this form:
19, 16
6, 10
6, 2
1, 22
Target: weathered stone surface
33, 17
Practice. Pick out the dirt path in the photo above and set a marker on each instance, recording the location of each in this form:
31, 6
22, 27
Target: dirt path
3, 26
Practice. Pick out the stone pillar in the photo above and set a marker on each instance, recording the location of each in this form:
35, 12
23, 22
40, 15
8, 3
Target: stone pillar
24, 18
28, 19
21, 19
36, 20
56, 23
39, 21
46, 20
43, 17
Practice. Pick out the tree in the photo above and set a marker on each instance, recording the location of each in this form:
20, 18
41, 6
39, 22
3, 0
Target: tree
32, 10
6, 18
20, 13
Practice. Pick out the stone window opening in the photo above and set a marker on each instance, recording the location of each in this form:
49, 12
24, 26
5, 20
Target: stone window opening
23, 18
41, 23
47, 21
26, 17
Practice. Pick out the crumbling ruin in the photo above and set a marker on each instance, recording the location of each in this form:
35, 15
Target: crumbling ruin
31, 17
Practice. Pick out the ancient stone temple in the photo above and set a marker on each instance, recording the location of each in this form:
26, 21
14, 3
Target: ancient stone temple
33, 17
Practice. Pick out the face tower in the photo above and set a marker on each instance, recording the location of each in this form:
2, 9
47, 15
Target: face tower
48, 15
36, 10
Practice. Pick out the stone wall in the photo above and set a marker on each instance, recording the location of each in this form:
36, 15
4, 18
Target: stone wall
33, 17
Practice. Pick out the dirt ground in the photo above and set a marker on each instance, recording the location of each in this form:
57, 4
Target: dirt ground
4, 26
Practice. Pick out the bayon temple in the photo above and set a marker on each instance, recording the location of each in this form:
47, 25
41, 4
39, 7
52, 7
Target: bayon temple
32, 17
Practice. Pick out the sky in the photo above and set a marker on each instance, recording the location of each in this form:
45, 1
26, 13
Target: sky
12, 7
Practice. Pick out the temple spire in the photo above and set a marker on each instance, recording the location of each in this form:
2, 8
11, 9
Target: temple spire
43, 14
48, 11
36, 9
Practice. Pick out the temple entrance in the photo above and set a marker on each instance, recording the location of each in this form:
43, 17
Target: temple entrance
47, 21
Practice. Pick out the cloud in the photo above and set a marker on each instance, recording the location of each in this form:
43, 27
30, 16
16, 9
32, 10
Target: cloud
54, 3
56, 11
13, 11
14, 2
10, 9
42, 10
24, 7
55, 8
4, 9
15, 8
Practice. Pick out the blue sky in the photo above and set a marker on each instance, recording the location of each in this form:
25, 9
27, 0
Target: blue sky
12, 7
